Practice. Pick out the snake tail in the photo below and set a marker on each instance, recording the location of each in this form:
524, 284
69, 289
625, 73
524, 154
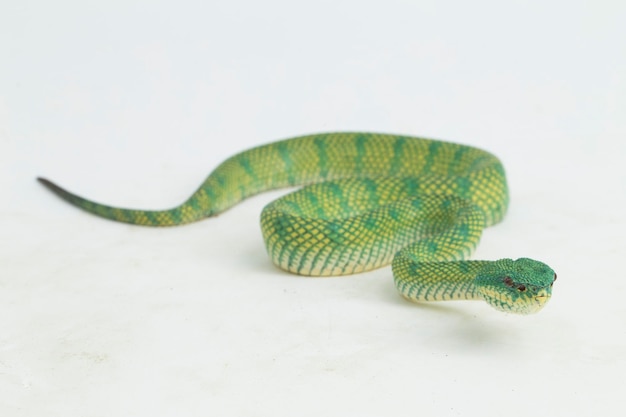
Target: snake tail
443, 167
172, 217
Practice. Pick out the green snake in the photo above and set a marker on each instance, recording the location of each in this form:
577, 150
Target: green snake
369, 200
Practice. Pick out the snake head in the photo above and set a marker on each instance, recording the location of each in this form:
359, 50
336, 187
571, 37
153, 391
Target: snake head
521, 286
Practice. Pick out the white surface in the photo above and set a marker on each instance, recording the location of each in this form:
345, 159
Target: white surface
133, 103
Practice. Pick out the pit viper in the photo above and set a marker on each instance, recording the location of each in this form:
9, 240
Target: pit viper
370, 200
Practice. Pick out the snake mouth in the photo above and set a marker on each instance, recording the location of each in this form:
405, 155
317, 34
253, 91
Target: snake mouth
542, 295
540, 300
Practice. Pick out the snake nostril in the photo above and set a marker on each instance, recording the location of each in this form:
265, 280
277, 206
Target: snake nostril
521, 287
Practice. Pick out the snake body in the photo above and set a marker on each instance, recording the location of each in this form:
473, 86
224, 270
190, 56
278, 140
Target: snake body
370, 200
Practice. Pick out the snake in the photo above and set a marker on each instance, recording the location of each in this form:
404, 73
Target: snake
368, 200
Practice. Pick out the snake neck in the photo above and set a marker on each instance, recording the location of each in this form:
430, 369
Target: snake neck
437, 281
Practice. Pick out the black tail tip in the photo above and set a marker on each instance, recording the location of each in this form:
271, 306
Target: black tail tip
50, 185
45, 182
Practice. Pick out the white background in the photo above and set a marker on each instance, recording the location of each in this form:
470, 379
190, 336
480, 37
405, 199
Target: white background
132, 103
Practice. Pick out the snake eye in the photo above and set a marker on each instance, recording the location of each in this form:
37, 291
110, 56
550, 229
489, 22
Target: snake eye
508, 281
521, 287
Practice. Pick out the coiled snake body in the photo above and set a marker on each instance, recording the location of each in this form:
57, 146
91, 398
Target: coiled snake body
371, 199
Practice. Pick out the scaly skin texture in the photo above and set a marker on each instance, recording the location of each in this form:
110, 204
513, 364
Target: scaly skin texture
373, 199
